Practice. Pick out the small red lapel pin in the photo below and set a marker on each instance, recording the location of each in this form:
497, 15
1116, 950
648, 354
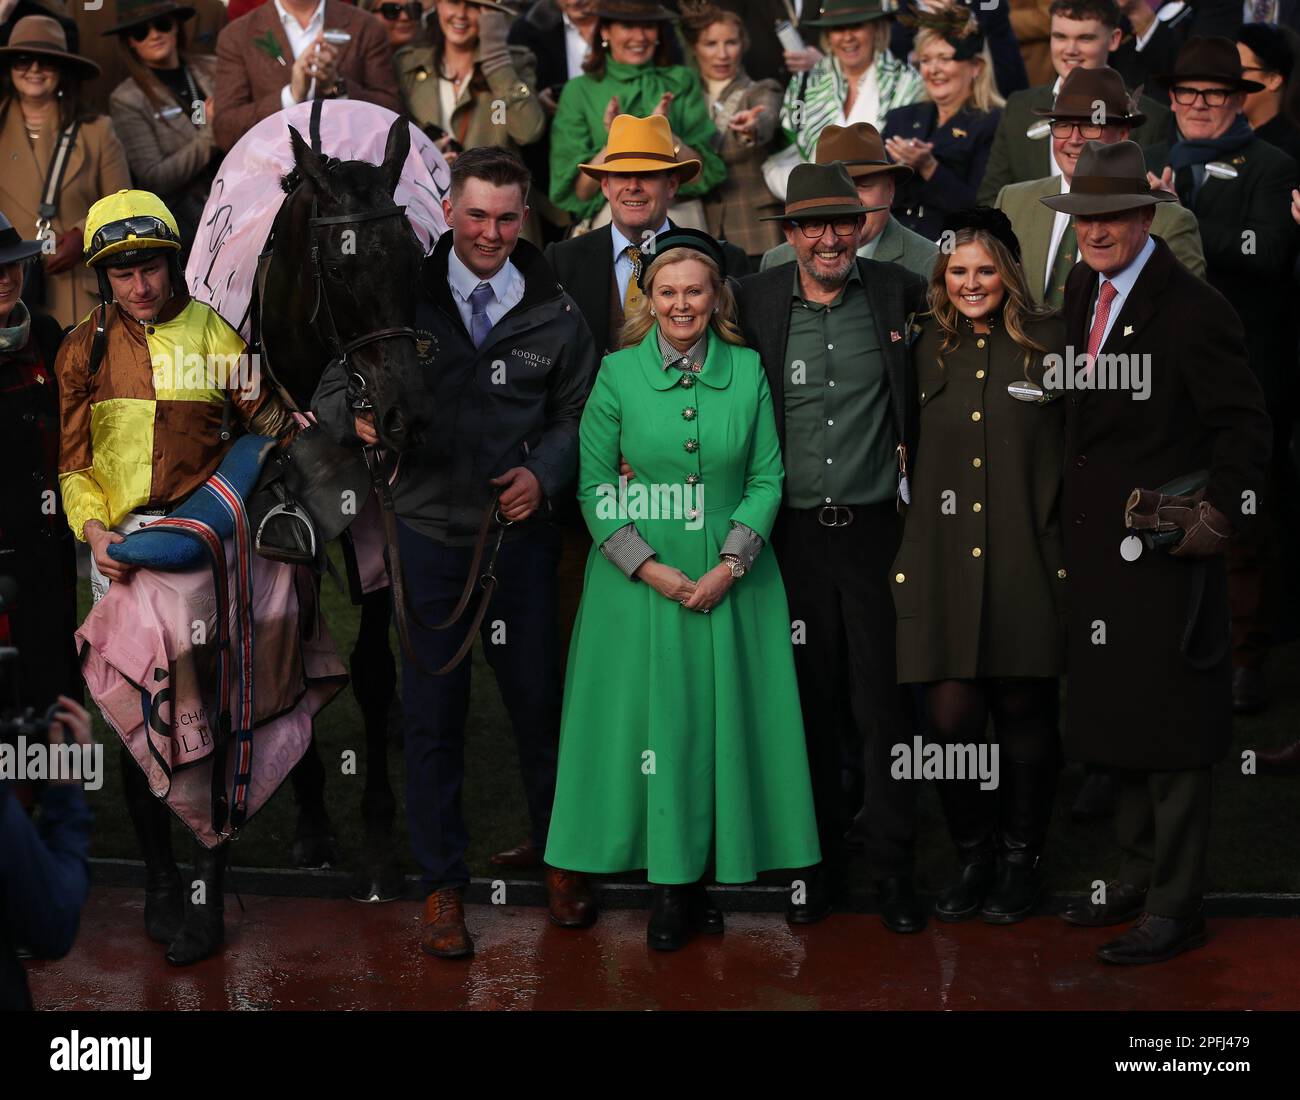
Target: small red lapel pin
894, 336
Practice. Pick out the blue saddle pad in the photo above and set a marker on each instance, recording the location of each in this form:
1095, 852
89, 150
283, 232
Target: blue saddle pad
172, 550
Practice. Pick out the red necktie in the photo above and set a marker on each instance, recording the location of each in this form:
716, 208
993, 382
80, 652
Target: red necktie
1108, 293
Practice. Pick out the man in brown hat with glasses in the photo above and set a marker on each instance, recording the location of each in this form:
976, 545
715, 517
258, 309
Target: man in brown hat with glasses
833, 329
862, 152
1238, 186
1092, 105
1157, 388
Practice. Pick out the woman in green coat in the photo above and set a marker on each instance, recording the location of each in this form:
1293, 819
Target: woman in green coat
979, 581
627, 73
681, 738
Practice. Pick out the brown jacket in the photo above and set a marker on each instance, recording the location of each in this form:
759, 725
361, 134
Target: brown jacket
96, 167
250, 78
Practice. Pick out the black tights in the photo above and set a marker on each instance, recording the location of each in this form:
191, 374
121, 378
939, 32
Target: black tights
1024, 715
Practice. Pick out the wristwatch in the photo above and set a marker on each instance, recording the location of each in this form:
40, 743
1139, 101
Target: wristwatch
732, 562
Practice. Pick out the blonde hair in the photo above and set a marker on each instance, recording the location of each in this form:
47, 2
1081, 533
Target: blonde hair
1018, 306
639, 321
880, 39
984, 92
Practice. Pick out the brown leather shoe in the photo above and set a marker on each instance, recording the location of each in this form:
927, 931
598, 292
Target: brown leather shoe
1285, 761
521, 855
444, 933
570, 900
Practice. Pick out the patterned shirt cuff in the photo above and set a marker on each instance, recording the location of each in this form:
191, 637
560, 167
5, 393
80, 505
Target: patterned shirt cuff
627, 549
744, 542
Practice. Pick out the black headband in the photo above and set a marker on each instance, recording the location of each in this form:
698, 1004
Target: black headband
991, 221
681, 237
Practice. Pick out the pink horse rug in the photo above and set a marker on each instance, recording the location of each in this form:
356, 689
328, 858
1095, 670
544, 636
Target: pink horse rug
149, 657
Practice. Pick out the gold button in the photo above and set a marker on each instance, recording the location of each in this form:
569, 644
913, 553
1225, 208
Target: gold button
975, 416
1061, 574
975, 462
979, 374
977, 507
975, 552
980, 342
899, 578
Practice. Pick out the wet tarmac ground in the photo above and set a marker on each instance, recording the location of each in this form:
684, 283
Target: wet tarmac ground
309, 953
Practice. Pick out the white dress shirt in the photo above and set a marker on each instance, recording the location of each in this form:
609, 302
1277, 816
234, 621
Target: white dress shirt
1123, 282
622, 261
1059, 224
575, 49
507, 289
299, 37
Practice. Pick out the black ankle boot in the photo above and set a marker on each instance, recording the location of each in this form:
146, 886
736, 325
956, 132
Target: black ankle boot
1015, 890
204, 929
670, 923
963, 899
1026, 810
704, 916
164, 900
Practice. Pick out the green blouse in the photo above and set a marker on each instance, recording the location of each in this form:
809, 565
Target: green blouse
578, 132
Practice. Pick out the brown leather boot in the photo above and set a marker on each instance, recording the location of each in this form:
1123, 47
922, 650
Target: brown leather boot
570, 900
444, 933
522, 855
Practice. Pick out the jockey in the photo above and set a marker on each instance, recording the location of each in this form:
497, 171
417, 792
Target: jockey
147, 385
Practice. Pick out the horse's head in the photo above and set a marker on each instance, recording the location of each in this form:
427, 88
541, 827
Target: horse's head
366, 261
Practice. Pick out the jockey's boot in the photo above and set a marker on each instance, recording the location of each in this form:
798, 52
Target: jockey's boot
204, 929
164, 902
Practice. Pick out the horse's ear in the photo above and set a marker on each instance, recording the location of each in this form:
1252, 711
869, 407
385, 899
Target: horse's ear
309, 163
395, 153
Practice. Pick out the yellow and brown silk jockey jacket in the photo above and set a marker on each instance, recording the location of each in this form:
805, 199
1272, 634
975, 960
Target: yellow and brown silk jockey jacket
145, 430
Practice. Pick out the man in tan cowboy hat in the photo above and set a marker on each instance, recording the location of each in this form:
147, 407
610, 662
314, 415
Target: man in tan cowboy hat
1092, 105
1237, 185
1156, 386
860, 149
832, 331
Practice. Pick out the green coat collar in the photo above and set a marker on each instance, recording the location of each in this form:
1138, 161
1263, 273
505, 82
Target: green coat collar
716, 372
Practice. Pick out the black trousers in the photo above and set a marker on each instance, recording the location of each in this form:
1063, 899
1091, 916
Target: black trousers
1162, 820
842, 613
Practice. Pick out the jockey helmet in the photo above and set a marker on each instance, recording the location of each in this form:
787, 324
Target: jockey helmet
129, 227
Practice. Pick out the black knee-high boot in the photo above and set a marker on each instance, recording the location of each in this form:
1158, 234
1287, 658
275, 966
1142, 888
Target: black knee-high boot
164, 904
969, 812
1027, 796
204, 929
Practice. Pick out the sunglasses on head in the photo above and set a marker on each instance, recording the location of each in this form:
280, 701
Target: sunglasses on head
24, 61
392, 12
162, 25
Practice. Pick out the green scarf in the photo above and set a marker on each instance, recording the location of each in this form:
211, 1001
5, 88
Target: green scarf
14, 336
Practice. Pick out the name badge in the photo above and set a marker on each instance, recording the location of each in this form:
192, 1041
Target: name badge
1220, 171
170, 112
1039, 130
1031, 392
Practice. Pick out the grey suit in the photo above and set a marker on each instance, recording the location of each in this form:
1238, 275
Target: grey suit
897, 245
1032, 221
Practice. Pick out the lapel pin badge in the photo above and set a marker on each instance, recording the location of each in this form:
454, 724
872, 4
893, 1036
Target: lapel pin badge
1128, 330
1221, 171
893, 336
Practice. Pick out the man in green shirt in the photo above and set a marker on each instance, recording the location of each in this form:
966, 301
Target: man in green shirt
832, 329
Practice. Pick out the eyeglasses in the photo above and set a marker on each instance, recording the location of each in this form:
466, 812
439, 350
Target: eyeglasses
393, 12
1087, 130
25, 61
842, 227
1185, 97
163, 25
142, 225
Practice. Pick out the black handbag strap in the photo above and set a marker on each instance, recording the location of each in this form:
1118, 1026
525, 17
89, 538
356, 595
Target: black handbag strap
49, 205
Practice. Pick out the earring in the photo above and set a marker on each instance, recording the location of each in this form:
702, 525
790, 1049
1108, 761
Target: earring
605, 42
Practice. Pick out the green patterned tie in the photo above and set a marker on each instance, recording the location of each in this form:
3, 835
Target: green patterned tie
1066, 253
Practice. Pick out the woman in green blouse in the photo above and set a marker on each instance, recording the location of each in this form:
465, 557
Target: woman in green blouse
979, 581
627, 72
681, 740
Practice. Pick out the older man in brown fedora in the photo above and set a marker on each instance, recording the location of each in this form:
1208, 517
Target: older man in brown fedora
832, 330
1092, 105
1157, 388
860, 149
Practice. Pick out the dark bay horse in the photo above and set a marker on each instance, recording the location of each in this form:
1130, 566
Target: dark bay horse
341, 283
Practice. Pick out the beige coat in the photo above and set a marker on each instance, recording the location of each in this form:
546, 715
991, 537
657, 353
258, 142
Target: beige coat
96, 167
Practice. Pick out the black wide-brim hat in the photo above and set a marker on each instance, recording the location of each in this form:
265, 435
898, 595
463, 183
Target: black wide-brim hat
1210, 58
13, 249
821, 191
633, 11
135, 13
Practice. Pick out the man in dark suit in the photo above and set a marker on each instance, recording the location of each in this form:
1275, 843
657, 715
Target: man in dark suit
1147, 46
1163, 390
1238, 186
276, 56
1084, 32
832, 329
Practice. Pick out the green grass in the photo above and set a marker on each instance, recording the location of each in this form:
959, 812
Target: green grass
1253, 843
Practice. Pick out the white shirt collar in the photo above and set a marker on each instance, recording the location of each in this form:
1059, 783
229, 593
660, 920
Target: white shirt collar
287, 17
464, 282
621, 242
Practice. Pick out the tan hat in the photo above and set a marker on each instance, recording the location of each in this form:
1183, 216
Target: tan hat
1108, 179
642, 145
860, 149
44, 36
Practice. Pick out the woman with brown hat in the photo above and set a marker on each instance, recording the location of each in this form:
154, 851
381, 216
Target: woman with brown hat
979, 583
163, 109
628, 73
746, 113
58, 159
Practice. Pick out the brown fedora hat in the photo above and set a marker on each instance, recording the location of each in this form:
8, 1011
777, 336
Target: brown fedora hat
1108, 179
860, 149
820, 191
1210, 58
1085, 93
44, 36
633, 11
